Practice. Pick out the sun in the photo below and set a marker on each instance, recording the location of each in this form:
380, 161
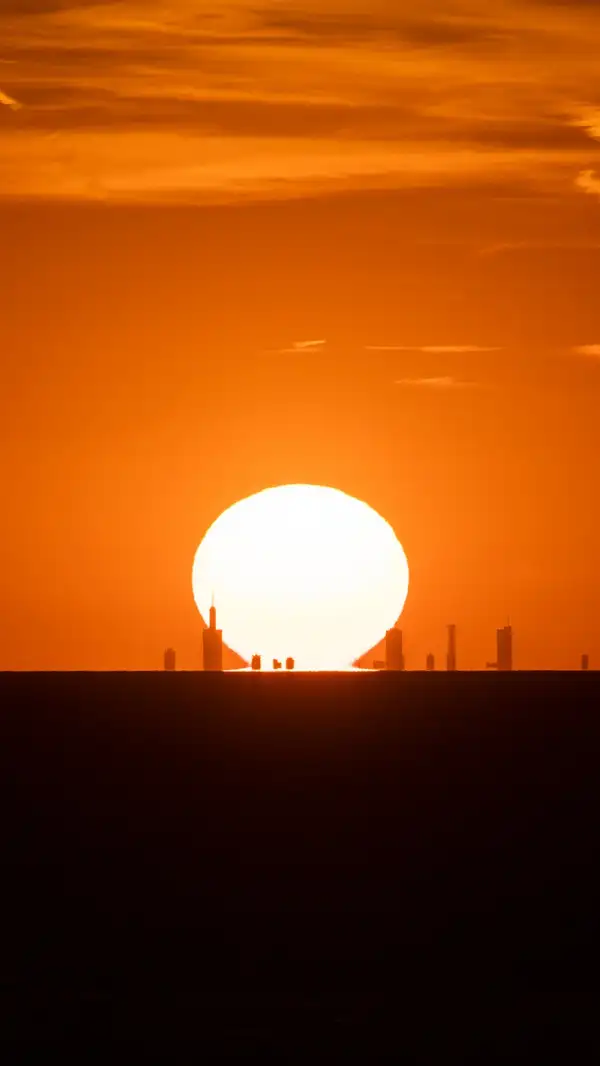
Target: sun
303, 571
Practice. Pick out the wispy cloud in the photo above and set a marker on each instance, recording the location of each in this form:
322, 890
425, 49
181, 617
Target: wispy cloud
432, 349
8, 101
589, 182
299, 348
435, 383
253, 99
562, 243
588, 119
591, 350
302, 346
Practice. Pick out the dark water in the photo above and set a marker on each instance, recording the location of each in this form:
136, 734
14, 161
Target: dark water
376, 864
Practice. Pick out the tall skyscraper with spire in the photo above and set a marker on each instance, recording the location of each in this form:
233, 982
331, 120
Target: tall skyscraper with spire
212, 643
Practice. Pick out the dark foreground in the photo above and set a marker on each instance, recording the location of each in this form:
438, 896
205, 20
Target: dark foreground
302, 866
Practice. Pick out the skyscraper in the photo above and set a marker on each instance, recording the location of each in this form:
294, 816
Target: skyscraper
212, 644
394, 657
451, 655
169, 659
504, 648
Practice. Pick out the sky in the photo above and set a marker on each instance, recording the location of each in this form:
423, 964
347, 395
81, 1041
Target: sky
191, 197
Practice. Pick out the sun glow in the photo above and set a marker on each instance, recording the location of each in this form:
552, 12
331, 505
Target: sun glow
302, 571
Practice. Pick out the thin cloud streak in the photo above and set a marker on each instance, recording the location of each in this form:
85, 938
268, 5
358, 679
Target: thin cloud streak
440, 383
299, 348
432, 349
304, 345
589, 350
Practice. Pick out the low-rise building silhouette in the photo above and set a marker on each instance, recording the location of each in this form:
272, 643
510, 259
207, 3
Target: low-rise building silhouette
585, 662
212, 644
169, 659
290, 663
430, 662
256, 662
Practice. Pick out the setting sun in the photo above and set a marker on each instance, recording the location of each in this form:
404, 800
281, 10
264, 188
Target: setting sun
301, 571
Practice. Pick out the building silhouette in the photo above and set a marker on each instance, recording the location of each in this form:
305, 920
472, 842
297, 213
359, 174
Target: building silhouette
451, 654
504, 657
394, 656
256, 662
585, 662
276, 664
430, 662
169, 659
212, 644
290, 663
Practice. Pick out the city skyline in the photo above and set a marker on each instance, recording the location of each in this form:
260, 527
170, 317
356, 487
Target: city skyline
215, 649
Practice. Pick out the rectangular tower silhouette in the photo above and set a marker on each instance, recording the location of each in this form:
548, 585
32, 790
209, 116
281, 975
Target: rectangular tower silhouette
394, 657
451, 655
169, 659
504, 648
585, 662
212, 644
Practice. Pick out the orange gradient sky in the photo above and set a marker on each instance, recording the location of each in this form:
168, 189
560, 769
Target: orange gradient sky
188, 195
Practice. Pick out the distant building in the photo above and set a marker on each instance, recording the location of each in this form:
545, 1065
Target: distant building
504, 645
212, 644
169, 659
585, 662
276, 664
394, 656
504, 657
290, 663
256, 662
451, 654
430, 662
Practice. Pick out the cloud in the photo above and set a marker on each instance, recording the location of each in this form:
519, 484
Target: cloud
435, 383
592, 350
304, 345
390, 23
259, 99
588, 119
8, 101
299, 348
588, 182
432, 349
560, 243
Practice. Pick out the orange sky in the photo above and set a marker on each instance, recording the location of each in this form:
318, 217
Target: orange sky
184, 197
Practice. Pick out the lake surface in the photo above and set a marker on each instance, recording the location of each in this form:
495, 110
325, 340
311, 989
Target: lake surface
262, 862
